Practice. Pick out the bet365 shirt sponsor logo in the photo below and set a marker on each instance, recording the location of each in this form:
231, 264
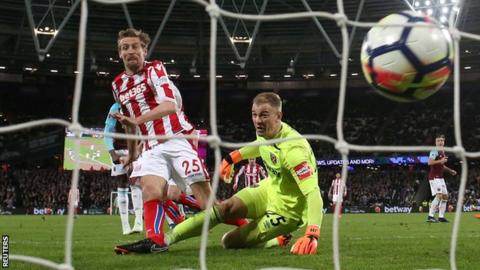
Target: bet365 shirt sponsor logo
132, 92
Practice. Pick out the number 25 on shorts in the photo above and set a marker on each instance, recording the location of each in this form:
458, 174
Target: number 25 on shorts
273, 220
191, 166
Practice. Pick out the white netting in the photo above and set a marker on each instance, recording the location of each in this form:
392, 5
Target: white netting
215, 141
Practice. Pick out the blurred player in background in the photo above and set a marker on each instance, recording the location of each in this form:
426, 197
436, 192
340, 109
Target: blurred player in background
334, 192
436, 162
151, 103
288, 199
252, 174
118, 148
74, 198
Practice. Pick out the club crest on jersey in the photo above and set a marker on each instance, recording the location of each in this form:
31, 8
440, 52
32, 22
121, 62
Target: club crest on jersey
273, 158
132, 92
303, 170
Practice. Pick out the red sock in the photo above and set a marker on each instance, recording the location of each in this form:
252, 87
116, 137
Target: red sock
237, 222
172, 212
189, 201
154, 217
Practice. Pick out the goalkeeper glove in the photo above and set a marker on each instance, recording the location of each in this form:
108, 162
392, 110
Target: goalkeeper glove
307, 244
226, 168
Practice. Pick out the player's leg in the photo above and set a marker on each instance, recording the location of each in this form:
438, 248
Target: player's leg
434, 188
339, 203
255, 201
153, 169
259, 232
137, 201
202, 190
443, 202
433, 208
173, 213
188, 200
188, 169
175, 194
120, 174
154, 192
122, 193
76, 207
335, 201
248, 203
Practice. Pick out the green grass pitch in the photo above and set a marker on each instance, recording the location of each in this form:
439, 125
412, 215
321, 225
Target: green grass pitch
368, 241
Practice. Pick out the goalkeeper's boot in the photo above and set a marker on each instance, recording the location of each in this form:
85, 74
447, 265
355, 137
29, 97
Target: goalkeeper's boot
442, 219
431, 219
284, 239
143, 246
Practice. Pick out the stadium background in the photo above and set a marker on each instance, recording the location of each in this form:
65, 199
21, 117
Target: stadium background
32, 175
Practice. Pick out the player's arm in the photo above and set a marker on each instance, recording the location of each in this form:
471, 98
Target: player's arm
433, 155
130, 128
163, 109
110, 123
131, 145
263, 173
237, 176
298, 162
226, 168
449, 170
330, 192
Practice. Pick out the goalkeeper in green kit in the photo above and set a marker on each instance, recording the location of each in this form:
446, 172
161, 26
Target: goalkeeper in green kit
289, 198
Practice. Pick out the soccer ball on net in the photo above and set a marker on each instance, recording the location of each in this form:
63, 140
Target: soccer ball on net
407, 63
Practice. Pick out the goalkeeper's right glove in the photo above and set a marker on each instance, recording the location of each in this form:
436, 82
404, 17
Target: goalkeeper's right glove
226, 168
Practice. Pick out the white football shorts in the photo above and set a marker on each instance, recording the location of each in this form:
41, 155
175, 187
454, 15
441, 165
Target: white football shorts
118, 169
174, 159
337, 198
437, 185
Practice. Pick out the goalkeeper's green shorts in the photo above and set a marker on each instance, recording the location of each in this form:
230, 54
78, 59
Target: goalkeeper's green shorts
266, 224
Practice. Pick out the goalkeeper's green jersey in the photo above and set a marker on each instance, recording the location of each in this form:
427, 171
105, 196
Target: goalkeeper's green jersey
292, 172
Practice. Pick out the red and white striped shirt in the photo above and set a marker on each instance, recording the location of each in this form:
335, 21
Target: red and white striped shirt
335, 187
253, 175
142, 92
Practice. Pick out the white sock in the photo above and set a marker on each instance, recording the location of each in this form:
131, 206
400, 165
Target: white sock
123, 208
433, 207
442, 208
137, 202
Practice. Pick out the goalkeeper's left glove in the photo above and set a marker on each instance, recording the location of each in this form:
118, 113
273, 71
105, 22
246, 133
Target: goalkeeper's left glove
226, 168
307, 244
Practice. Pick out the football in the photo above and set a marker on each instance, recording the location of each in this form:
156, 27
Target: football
407, 64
